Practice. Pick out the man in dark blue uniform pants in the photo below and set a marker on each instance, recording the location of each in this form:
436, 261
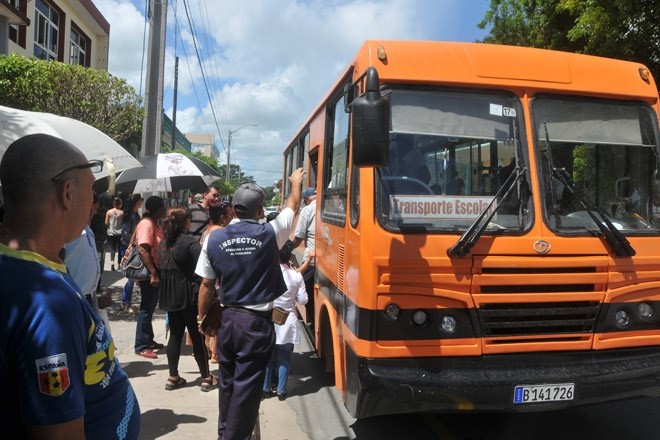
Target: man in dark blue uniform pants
244, 256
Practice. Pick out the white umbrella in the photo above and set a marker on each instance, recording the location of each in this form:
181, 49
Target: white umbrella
166, 172
93, 143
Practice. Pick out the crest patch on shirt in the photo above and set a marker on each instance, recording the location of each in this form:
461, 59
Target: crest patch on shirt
53, 374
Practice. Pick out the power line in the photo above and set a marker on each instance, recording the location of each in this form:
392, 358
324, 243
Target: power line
201, 66
192, 78
204, 16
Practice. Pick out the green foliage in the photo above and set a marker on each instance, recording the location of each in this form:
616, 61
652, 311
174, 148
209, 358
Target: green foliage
226, 189
581, 163
92, 96
623, 29
274, 200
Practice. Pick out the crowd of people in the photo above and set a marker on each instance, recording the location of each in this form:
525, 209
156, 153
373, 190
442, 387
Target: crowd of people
197, 252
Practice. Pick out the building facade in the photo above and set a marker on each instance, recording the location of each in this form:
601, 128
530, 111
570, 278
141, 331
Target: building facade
166, 137
203, 143
69, 31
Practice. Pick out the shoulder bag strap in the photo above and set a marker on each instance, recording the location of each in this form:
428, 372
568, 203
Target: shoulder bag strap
201, 227
133, 235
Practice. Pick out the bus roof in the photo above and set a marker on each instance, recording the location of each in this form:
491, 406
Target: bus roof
435, 62
498, 66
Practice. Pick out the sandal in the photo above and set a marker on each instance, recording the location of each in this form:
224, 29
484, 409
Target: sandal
172, 384
209, 383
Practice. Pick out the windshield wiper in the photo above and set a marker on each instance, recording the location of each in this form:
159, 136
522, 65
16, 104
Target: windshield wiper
619, 243
551, 165
614, 237
476, 230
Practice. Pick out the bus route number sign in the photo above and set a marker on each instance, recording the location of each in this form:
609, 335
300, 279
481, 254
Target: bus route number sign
543, 393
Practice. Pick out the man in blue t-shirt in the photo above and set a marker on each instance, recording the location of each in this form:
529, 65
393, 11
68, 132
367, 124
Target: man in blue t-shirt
58, 371
244, 257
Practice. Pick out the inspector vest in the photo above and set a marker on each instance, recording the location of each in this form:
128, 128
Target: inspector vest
245, 258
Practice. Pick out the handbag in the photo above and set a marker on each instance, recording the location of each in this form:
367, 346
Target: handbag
132, 265
279, 315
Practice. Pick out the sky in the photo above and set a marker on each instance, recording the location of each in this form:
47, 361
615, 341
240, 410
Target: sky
266, 64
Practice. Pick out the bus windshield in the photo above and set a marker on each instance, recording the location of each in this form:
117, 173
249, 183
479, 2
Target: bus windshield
450, 155
597, 157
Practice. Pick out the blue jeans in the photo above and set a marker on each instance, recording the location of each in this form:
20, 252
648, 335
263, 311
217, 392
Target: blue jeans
127, 293
281, 359
144, 331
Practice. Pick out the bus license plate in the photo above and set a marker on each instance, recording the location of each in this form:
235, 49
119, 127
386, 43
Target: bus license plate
543, 393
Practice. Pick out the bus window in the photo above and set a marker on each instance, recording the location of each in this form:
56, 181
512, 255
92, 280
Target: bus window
296, 158
603, 153
313, 168
335, 179
448, 150
303, 148
288, 168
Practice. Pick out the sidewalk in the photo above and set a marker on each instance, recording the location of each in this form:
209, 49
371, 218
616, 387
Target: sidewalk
186, 413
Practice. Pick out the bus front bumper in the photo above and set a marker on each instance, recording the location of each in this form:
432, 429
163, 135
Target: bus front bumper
487, 383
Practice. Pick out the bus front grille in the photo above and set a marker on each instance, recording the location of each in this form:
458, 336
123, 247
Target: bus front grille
555, 297
538, 318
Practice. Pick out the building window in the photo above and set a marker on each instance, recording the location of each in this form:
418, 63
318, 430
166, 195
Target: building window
13, 28
18, 33
46, 31
79, 48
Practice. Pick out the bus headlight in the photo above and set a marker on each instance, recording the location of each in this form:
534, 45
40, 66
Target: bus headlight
622, 319
645, 310
419, 317
448, 324
392, 311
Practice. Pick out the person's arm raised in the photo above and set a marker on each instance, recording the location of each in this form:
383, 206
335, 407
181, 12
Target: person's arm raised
294, 199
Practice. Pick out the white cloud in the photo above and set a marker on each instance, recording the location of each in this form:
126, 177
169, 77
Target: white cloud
126, 31
269, 62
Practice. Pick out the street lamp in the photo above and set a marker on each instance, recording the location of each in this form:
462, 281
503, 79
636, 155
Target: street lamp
230, 132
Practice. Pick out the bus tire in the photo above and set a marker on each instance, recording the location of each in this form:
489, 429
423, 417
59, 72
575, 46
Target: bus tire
327, 349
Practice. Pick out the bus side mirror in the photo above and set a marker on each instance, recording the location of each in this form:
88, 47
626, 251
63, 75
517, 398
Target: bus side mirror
371, 121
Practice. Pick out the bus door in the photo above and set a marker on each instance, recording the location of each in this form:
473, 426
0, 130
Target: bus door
332, 210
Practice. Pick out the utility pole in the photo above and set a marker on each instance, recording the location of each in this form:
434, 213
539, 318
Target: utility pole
153, 106
229, 133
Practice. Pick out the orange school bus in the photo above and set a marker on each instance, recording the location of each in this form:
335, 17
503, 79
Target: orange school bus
487, 228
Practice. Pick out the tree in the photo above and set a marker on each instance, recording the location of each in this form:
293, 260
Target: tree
623, 29
270, 195
91, 96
